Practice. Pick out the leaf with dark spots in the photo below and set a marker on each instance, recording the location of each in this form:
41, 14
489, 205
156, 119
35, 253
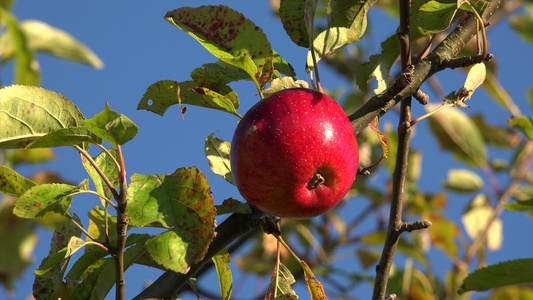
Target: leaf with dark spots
163, 94
291, 14
12, 183
28, 113
44, 286
43, 198
229, 36
181, 201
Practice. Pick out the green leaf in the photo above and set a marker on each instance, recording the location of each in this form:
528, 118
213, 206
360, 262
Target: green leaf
283, 83
463, 181
12, 183
44, 270
216, 99
291, 14
218, 154
229, 36
225, 280
499, 136
45, 38
497, 92
43, 287
112, 126
443, 233
181, 201
435, 16
349, 22
26, 70
456, 132
18, 243
284, 279
106, 163
524, 124
233, 206
476, 220
27, 113
316, 290
516, 271
523, 23
163, 94
32, 156
524, 205
43, 198
66, 137
379, 66
101, 280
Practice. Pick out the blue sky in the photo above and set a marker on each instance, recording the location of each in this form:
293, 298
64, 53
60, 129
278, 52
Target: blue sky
139, 48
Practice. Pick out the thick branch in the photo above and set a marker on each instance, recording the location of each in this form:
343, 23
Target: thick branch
400, 170
436, 61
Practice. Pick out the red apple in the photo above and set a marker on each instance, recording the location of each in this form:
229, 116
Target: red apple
294, 154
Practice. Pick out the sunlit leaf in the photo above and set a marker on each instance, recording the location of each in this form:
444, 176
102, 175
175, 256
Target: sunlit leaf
27, 113
12, 183
229, 36
316, 290
163, 94
107, 165
283, 83
379, 66
181, 202
476, 220
225, 280
43, 198
504, 273
45, 38
111, 126
66, 137
463, 180
26, 69
348, 24
456, 132
218, 154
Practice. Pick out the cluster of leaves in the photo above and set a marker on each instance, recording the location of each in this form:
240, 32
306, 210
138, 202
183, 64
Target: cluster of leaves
180, 204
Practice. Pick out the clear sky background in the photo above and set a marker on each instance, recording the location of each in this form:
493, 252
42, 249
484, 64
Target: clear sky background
138, 48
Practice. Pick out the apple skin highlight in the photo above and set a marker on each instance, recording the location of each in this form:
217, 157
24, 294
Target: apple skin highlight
294, 154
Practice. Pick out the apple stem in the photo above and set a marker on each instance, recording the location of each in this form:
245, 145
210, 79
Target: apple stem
316, 181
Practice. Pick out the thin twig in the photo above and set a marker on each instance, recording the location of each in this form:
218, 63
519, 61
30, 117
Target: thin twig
99, 171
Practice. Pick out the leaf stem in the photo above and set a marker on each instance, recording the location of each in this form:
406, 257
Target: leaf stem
99, 171
429, 114
102, 245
